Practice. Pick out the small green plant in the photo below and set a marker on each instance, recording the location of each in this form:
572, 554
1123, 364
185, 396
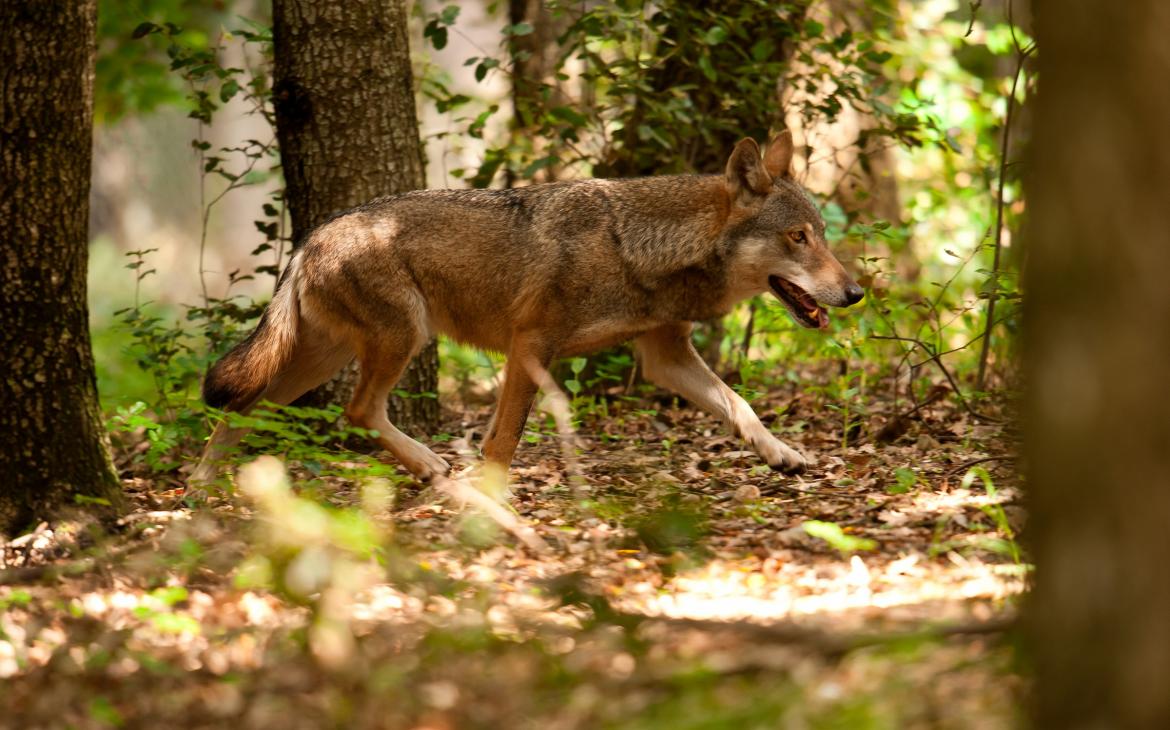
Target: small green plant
315, 439
313, 554
904, 480
832, 533
1007, 544
573, 384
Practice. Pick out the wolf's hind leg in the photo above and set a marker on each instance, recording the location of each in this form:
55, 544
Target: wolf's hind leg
315, 359
380, 368
669, 359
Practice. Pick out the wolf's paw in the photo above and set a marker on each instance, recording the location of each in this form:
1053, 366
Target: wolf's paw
429, 466
782, 457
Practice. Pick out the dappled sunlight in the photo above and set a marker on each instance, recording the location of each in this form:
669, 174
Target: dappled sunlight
818, 593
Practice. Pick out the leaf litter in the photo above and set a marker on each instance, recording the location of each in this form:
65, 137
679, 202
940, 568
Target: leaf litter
683, 585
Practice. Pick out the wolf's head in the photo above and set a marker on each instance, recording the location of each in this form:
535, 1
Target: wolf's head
779, 236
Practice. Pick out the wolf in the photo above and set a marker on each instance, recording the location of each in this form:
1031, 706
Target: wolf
539, 272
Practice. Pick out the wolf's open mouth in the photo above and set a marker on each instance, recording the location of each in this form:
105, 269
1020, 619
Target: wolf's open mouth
800, 303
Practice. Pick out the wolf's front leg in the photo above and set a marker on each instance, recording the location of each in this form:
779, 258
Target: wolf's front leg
669, 359
528, 356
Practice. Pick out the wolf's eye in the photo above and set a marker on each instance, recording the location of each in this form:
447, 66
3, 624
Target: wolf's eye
798, 236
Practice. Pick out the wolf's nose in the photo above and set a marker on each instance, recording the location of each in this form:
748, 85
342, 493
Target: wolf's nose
854, 294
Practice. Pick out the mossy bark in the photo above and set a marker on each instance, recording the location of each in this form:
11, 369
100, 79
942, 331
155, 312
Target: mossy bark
348, 132
52, 442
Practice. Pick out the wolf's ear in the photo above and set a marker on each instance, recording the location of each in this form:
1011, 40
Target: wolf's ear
778, 159
746, 176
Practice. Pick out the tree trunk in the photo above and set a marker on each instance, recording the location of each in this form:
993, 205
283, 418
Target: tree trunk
1098, 344
534, 64
52, 450
348, 132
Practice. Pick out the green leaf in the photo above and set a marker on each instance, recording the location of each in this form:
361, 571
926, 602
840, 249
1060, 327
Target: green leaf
566, 114
85, 499
762, 49
144, 29
813, 29
230, 88
706, 67
537, 166
715, 36
832, 533
452, 102
906, 479
484, 66
518, 29
437, 35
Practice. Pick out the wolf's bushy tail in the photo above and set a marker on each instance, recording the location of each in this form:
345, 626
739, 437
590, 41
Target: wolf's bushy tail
242, 375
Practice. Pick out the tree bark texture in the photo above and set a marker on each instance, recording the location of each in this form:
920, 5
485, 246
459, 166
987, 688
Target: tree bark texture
52, 442
1098, 344
348, 133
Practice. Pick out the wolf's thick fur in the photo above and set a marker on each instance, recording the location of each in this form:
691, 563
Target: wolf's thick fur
537, 273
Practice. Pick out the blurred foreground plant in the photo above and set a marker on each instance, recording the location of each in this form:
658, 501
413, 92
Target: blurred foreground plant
313, 555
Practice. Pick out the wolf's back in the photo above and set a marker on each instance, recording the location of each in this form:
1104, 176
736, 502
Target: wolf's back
242, 375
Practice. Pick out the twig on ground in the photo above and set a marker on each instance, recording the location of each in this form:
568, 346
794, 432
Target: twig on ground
968, 464
898, 426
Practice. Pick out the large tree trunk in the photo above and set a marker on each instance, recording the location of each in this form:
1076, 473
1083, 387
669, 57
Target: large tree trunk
348, 132
52, 449
1098, 344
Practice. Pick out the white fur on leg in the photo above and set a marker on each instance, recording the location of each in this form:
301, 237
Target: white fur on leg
674, 364
222, 438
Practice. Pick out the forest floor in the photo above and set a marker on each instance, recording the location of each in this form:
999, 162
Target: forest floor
673, 583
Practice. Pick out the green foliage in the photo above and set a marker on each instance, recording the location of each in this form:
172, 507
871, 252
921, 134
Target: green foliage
210, 84
315, 439
176, 354
905, 480
1006, 544
314, 555
135, 78
832, 533
652, 89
